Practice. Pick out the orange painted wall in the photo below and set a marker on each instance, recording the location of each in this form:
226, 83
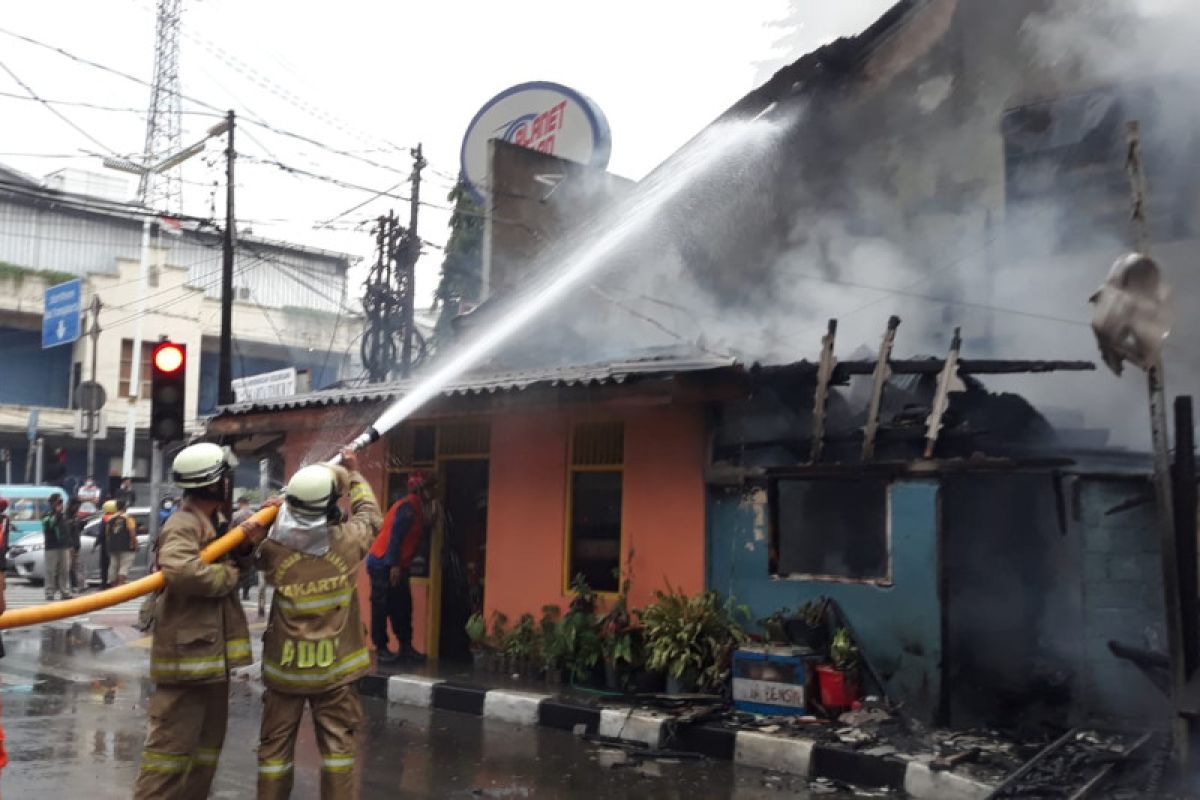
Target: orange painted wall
663, 508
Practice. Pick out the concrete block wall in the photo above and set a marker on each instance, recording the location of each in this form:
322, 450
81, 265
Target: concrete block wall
1121, 588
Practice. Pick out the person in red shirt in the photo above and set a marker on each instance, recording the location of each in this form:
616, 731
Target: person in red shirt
388, 562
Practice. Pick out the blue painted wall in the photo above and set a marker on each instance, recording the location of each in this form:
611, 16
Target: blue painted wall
32, 376
899, 625
301, 359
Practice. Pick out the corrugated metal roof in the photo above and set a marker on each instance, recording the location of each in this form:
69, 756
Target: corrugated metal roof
491, 383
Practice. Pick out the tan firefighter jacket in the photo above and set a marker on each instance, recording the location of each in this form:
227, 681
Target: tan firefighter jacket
200, 629
314, 639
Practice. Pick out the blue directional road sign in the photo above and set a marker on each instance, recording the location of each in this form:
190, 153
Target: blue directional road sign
60, 320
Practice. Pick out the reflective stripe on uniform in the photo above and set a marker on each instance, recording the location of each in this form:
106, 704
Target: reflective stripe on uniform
207, 756
314, 677
236, 648
314, 603
336, 762
271, 767
358, 491
155, 761
199, 667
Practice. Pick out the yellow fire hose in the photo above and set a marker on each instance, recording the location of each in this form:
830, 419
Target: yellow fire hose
50, 612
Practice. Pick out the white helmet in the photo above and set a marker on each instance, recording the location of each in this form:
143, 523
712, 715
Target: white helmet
201, 465
312, 490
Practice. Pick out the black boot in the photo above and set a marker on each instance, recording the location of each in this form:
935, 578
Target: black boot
408, 655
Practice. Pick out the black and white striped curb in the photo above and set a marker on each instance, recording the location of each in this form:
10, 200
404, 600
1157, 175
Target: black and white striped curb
749, 748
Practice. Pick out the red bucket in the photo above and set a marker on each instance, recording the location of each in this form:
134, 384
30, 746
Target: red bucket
839, 689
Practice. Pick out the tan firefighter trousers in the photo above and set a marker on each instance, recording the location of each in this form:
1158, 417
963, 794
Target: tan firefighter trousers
186, 730
336, 716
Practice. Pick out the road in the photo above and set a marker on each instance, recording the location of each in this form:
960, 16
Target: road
75, 723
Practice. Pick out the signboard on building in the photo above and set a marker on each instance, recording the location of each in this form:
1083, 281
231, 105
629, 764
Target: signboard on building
265, 386
60, 318
543, 116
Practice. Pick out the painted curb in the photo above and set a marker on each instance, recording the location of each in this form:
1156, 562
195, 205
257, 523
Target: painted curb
795, 756
925, 784
775, 753
519, 708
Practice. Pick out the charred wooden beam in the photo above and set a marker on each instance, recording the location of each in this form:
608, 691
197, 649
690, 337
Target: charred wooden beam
948, 381
821, 396
881, 374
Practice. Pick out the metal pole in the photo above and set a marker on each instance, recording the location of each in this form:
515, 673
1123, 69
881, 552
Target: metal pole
40, 454
264, 477
225, 365
94, 335
410, 264
135, 365
156, 471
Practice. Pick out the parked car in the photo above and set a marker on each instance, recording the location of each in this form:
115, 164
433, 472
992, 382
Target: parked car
27, 558
26, 507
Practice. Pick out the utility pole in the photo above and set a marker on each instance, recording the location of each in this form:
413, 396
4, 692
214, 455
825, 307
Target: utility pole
225, 367
410, 264
94, 335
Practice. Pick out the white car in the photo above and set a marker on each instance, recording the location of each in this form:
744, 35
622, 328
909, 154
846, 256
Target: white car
27, 558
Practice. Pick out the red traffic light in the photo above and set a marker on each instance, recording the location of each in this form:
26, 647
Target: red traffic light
168, 357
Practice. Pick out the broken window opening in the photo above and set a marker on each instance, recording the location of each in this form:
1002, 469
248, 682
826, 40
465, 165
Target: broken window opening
831, 529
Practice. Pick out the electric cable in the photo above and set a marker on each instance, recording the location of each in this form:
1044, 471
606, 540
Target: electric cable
33, 95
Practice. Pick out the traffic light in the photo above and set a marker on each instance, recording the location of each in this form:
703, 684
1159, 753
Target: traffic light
168, 381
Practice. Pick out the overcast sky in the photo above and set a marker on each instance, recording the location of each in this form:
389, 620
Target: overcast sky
376, 77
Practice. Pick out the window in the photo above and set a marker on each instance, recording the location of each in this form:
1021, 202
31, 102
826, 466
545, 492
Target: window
594, 513
830, 529
127, 367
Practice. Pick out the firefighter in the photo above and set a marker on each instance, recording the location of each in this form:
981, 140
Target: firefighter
314, 650
200, 633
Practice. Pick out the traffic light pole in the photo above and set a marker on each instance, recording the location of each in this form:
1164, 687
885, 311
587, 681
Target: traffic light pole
225, 364
94, 335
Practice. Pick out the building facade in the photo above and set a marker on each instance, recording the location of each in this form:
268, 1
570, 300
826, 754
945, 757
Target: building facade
291, 310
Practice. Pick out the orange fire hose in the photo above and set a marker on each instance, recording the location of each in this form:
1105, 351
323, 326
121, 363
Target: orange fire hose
50, 612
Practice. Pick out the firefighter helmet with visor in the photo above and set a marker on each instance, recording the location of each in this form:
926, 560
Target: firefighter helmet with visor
201, 465
312, 491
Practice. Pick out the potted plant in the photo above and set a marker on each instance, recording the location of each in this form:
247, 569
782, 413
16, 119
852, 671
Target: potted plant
554, 651
476, 628
690, 639
617, 640
774, 627
521, 646
808, 627
838, 680
495, 654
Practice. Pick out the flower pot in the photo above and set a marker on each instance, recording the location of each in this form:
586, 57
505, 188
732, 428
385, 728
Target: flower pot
802, 634
838, 688
684, 684
612, 675
479, 660
647, 681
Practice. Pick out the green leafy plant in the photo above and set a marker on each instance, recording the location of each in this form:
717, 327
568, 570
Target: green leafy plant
476, 628
692, 637
812, 612
584, 600
499, 630
522, 643
842, 651
617, 634
773, 626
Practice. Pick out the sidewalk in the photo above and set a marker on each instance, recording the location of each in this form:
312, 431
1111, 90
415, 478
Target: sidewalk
611, 721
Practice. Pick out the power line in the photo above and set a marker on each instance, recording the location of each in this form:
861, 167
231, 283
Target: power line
34, 96
217, 110
141, 112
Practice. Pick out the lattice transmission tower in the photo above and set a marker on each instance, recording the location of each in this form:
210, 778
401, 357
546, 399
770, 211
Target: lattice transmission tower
164, 120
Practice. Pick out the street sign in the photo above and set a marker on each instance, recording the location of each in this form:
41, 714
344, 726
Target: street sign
63, 306
265, 386
90, 396
81, 424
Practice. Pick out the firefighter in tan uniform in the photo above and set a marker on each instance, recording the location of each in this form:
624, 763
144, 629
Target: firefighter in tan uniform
200, 633
314, 649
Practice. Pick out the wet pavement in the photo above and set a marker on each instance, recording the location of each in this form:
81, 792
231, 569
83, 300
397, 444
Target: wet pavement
75, 721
